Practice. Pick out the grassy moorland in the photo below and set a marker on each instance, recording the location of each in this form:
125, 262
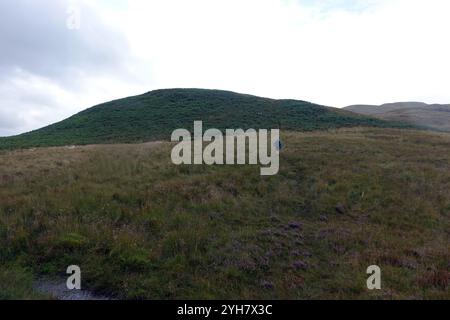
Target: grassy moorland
140, 227
156, 114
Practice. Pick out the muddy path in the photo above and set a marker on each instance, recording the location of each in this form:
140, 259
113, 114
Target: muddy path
57, 289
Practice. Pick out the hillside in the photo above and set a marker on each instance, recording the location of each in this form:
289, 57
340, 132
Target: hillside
434, 116
156, 114
141, 227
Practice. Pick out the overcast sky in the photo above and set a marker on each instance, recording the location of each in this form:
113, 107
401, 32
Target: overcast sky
58, 57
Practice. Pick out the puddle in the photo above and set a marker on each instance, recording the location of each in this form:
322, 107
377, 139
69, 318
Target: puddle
58, 290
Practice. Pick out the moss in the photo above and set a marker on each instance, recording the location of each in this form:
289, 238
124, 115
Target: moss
72, 241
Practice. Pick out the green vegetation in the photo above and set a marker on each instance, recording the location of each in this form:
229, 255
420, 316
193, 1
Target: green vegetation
154, 116
141, 227
17, 283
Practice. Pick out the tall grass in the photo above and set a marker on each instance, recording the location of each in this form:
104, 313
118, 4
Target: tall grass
142, 228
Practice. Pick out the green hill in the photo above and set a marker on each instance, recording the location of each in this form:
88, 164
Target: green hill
156, 114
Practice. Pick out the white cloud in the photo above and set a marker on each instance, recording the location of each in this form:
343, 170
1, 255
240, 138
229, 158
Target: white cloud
334, 52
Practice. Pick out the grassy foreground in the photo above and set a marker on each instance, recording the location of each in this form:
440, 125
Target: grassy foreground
140, 227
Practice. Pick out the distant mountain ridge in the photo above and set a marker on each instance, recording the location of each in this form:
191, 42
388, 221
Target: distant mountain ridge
433, 116
155, 114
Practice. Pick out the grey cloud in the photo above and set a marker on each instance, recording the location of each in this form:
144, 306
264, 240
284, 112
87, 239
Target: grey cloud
34, 37
8, 122
23, 107
35, 43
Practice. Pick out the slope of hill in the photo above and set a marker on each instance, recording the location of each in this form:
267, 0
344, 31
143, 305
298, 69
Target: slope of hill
140, 227
156, 114
434, 116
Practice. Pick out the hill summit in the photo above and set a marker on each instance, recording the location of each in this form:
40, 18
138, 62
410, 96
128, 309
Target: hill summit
154, 116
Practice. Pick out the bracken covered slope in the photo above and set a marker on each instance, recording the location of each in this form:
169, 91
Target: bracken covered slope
154, 115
